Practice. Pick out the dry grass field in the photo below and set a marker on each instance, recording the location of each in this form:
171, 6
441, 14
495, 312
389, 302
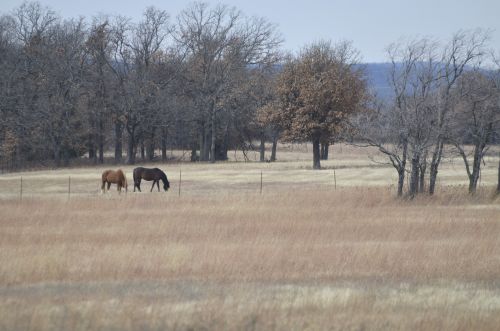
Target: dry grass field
306, 254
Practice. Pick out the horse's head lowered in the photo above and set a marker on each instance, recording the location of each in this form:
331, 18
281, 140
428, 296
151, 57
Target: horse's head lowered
166, 184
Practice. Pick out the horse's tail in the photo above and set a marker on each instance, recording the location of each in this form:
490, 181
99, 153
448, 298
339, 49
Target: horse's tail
123, 179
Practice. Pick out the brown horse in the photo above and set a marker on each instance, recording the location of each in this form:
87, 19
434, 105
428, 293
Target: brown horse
154, 174
114, 177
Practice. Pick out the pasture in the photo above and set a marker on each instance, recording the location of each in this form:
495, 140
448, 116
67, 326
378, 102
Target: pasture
331, 249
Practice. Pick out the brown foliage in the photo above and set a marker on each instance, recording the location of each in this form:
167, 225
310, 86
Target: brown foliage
318, 91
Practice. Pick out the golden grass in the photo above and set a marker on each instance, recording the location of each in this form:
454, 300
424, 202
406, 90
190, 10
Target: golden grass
352, 258
349, 166
222, 257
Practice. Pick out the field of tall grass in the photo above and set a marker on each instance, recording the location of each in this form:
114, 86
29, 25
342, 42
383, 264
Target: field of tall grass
306, 254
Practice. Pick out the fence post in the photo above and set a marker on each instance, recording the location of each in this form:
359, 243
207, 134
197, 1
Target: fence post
334, 179
261, 182
69, 186
21, 189
180, 181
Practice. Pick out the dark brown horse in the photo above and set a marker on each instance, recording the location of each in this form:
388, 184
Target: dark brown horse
114, 177
154, 174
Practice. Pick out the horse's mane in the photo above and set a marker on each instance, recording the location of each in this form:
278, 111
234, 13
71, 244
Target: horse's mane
164, 176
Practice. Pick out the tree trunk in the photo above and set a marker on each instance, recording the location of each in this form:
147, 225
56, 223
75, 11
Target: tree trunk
66, 157
150, 150
422, 180
201, 143
206, 148
324, 150
401, 181
414, 175
118, 142
401, 169
101, 142
423, 169
222, 146
91, 147
262, 147
433, 171
212, 138
57, 155
498, 184
204, 144
273, 149
131, 149
150, 146
316, 154
164, 144
221, 152
143, 151
194, 156
476, 170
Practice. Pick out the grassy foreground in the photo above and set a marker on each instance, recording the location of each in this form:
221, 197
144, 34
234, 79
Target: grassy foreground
223, 257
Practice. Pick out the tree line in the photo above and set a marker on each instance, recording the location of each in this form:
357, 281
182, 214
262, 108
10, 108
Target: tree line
213, 79
72, 87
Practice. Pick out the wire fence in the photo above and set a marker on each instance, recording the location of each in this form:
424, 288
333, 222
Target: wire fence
196, 182
58, 185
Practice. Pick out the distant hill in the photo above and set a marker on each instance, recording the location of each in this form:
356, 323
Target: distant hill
377, 75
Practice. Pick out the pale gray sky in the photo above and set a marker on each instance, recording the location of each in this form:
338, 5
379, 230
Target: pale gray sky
371, 25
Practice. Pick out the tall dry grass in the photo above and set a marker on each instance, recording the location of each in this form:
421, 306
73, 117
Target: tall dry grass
350, 259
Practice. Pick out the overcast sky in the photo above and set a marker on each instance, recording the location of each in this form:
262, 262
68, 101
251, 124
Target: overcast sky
370, 24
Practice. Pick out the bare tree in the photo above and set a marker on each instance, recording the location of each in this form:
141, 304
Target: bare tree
98, 46
148, 42
464, 49
476, 119
419, 117
122, 65
220, 42
397, 129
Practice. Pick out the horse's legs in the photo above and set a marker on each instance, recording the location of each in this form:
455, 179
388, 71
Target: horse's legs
154, 182
103, 187
109, 185
158, 185
138, 185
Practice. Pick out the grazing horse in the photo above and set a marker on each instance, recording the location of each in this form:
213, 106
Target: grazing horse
154, 174
114, 177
